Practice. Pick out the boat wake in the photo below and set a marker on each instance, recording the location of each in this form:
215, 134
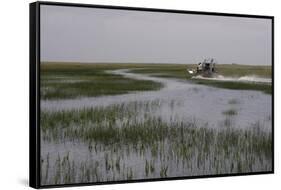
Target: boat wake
249, 79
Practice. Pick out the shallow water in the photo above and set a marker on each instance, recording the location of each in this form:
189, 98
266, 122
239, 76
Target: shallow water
135, 160
184, 101
178, 100
247, 79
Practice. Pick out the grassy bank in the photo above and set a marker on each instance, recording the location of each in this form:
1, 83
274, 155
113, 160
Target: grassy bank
72, 80
180, 72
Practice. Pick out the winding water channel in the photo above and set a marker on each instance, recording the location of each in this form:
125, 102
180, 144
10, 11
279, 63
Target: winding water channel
184, 101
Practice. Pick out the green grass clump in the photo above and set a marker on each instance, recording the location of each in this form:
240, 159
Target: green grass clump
236, 70
61, 81
230, 112
117, 135
147, 132
177, 71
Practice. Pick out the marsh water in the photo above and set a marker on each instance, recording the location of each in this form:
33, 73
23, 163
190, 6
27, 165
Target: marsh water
183, 101
178, 100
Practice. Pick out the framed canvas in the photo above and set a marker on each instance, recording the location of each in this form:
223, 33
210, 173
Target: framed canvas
126, 94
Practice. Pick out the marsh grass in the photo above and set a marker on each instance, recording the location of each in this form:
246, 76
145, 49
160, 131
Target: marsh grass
180, 70
127, 141
160, 148
230, 112
72, 80
61, 81
232, 70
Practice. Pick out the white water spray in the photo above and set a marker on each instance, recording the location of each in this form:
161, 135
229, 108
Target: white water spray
249, 78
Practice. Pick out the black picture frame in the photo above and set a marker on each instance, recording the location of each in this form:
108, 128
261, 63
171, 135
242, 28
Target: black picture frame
34, 93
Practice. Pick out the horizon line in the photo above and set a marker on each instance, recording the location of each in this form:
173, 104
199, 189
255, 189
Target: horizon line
76, 62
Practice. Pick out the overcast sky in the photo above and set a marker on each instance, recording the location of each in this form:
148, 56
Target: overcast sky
76, 34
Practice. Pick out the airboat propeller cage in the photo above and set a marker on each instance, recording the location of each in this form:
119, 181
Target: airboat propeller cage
207, 67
